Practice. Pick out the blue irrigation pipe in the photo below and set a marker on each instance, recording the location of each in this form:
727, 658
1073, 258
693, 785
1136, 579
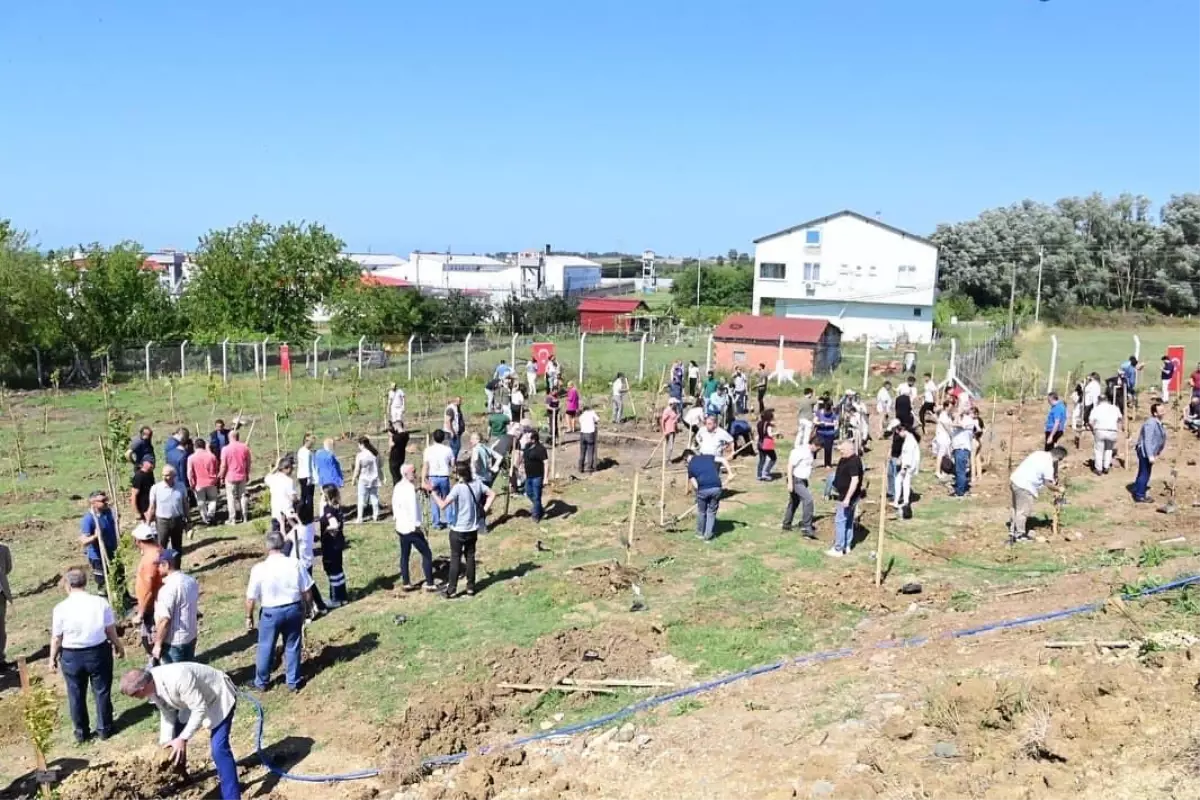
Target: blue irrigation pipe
654, 702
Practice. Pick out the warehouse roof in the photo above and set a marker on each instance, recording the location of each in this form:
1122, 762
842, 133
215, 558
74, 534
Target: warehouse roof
619, 305
749, 328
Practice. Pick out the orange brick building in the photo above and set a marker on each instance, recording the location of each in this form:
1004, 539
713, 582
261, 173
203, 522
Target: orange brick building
808, 345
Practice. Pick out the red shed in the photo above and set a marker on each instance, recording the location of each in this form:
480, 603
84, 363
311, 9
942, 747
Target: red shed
809, 345
608, 314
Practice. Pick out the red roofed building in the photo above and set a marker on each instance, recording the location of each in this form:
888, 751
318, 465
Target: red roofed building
608, 314
369, 279
804, 345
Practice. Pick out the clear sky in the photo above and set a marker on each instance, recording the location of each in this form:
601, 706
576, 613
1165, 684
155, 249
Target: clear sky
485, 125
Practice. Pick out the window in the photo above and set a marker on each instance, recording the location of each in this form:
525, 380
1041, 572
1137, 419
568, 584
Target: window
772, 272
845, 270
916, 312
858, 269
739, 356
871, 270
906, 275
812, 238
812, 271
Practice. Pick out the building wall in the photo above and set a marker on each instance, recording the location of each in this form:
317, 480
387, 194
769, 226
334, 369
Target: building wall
604, 322
748, 356
861, 287
882, 322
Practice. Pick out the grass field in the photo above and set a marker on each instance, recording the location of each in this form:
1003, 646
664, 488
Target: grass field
750, 597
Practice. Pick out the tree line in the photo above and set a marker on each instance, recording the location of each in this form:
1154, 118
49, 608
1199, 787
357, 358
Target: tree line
250, 280
1090, 252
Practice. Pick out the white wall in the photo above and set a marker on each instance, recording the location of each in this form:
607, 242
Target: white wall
860, 288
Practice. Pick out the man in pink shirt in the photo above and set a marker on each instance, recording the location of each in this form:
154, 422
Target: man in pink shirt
235, 472
669, 422
202, 474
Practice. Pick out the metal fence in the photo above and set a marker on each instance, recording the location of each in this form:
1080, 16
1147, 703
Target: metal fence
971, 368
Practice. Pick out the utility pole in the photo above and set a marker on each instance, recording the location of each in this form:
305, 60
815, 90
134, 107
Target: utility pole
1037, 304
1012, 295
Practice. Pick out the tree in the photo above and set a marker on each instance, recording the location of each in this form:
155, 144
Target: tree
256, 279
379, 311
114, 298
34, 304
520, 315
728, 287
459, 313
732, 255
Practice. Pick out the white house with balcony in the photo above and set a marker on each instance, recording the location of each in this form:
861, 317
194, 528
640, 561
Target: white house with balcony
865, 276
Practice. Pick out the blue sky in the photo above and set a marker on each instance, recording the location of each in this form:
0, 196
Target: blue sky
679, 126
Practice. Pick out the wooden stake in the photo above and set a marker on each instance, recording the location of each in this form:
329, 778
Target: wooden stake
108, 476
1012, 429
632, 519
882, 520
27, 690
341, 422
655, 450
174, 411
544, 688
277, 451
662, 490
991, 433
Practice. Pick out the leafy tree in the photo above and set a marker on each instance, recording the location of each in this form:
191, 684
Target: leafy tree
732, 255
256, 278
34, 305
525, 315
378, 311
731, 286
458, 313
114, 298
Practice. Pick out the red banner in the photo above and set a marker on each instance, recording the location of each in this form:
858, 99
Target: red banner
1175, 353
541, 352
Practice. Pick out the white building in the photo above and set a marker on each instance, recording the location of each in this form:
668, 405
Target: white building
866, 277
373, 262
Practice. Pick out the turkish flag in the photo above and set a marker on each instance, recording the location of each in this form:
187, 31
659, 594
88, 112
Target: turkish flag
1175, 353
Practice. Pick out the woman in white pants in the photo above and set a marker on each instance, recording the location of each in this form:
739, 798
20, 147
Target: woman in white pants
366, 476
910, 462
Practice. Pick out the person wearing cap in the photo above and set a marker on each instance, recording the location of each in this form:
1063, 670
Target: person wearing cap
147, 581
669, 422
203, 470
97, 529
83, 639
189, 696
236, 462
175, 611
281, 587
168, 510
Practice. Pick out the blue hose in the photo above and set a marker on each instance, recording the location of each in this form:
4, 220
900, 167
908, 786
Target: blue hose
654, 702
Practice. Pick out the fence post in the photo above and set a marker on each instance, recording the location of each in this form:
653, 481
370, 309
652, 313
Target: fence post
148, 359
1053, 363
183, 358
708, 355
38, 352
952, 369
512, 352
642, 358
582, 341
779, 364
264, 357
467, 356
867, 364
1137, 347
208, 362
225, 360
316, 355
410, 344
361, 339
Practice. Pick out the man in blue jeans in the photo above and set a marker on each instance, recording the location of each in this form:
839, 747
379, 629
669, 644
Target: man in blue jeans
437, 467
283, 589
1152, 440
962, 439
83, 639
847, 485
533, 457
704, 478
190, 695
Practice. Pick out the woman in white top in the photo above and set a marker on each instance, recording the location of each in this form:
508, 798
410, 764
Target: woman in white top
366, 476
941, 438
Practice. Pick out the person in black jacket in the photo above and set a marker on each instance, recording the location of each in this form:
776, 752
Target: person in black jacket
397, 449
333, 542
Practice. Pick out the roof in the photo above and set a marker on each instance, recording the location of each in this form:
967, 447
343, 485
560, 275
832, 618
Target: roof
570, 261
455, 259
384, 280
618, 305
748, 327
376, 260
846, 213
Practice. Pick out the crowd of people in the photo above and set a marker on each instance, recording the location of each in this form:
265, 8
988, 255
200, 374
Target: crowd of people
453, 492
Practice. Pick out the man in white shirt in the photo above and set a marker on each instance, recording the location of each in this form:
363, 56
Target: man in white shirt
176, 612
715, 441
83, 638
531, 371
1106, 421
741, 391
962, 438
588, 420
305, 472
1037, 470
281, 587
619, 388
799, 470
283, 494
190, 696
910, 462
395, 403
437, 465
1092, 391
883, 405
406, 510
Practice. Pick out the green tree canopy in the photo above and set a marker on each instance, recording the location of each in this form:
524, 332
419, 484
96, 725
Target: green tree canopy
728, 286
256, 278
